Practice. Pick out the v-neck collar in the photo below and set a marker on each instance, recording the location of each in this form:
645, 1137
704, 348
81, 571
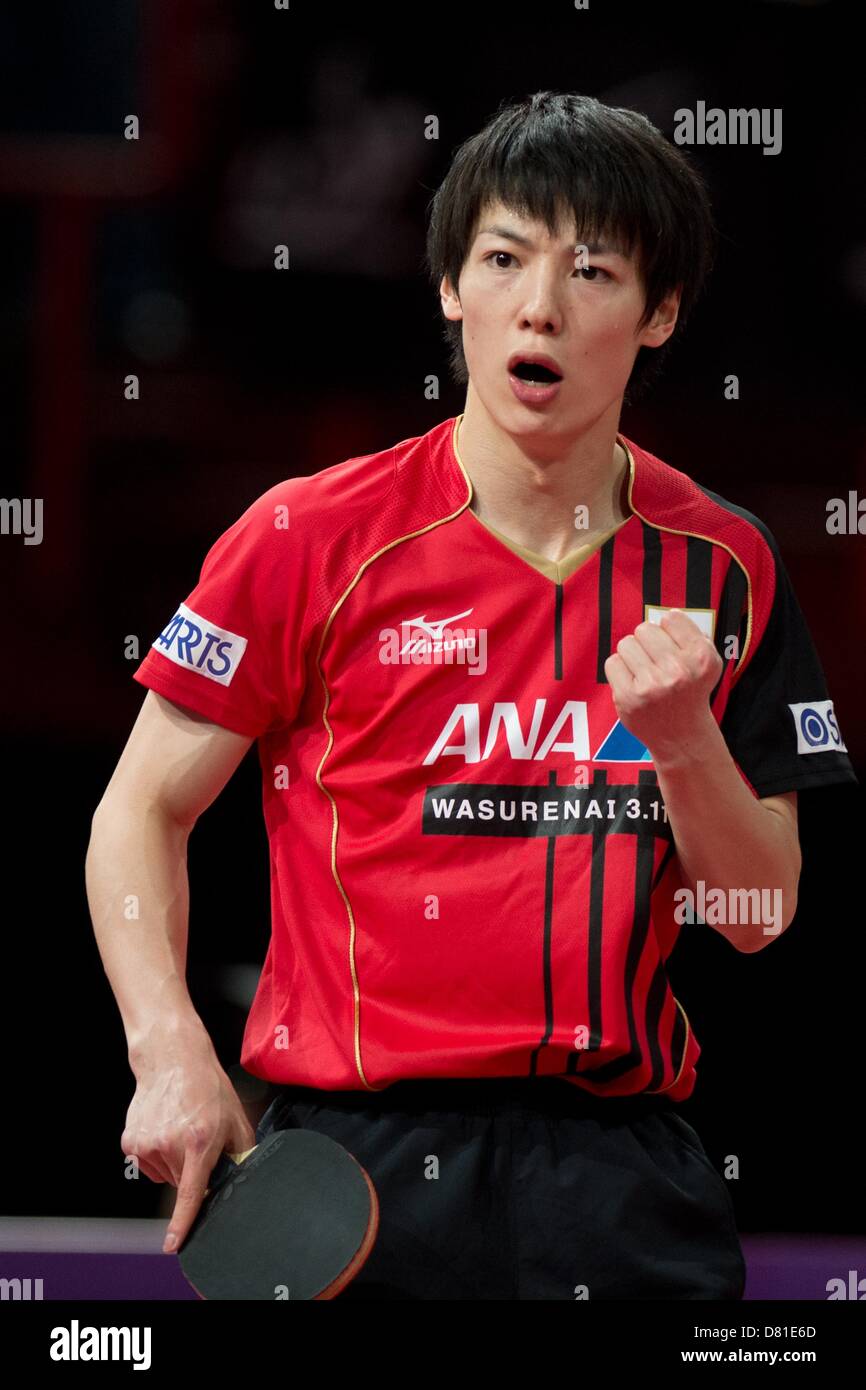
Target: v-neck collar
557, 571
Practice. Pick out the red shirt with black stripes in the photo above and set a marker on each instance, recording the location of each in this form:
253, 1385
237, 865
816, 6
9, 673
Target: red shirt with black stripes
472, 872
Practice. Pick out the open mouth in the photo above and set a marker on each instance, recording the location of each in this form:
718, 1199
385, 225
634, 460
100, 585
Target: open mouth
534, 374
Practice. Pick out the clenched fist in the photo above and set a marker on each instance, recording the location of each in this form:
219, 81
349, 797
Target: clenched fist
661, 677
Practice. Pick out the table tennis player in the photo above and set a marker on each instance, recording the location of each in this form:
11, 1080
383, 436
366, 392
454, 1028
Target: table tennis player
518, 688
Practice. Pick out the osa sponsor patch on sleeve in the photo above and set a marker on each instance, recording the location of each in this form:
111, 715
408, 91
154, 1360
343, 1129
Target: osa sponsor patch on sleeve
817, 730
199, 645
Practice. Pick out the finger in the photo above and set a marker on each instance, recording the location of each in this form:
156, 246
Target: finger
618, 675
657, 641
197, 1168
157, 1172
633, 656
152, 1166
682, 629
697, 649
657, 649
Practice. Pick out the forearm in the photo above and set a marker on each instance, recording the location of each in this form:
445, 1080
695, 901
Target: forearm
724, 837
138, 892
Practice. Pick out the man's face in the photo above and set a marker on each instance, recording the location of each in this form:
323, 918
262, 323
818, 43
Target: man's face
521, 291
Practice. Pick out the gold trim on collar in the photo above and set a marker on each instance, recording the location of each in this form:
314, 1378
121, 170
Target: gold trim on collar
557, 571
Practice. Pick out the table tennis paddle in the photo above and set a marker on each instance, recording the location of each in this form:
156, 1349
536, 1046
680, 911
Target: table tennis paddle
295, 1217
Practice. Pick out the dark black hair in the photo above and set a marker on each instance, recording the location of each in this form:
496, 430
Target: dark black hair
622, 180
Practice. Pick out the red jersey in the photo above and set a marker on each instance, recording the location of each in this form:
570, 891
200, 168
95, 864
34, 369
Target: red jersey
472, 872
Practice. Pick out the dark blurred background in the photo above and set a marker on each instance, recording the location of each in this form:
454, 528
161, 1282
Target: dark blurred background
154, 257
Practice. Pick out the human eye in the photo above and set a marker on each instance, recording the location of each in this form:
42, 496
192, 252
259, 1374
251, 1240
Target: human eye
592, 271
491, 254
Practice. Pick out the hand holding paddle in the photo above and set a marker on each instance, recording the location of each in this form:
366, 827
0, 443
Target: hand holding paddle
295, 1218
184, 1114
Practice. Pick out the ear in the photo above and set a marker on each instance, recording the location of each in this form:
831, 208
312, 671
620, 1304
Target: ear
663, 321
450, 301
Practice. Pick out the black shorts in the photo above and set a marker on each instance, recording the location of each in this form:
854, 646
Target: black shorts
527, 1188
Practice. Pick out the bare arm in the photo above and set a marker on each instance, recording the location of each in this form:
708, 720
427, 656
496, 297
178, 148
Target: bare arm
185, 1110
729, 838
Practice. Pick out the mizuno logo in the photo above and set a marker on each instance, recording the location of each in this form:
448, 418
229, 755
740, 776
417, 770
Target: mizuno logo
424, 641
433, 629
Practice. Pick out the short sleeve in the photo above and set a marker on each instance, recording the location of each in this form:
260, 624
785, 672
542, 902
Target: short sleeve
779, 723
234, 649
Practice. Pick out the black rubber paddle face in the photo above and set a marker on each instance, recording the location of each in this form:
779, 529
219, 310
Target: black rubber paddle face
295, 1220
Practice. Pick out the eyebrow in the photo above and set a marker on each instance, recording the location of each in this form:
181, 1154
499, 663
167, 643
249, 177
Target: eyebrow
595, 248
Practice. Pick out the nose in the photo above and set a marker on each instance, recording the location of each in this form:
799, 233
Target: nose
542, 308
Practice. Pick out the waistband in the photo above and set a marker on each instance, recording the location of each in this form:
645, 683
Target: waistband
483, 1095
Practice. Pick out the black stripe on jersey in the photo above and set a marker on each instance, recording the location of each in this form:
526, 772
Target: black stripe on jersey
698, 594
659, 986
699, 588
549, 879
651, 586
594, 936
732, 619
605, 607
670, 851
699, 585
596, 923
699, 573
740, 627
651, 580
645, 881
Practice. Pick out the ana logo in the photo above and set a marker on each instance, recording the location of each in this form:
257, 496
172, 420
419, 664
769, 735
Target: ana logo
565, 731
201, 646
622, 746
817, 730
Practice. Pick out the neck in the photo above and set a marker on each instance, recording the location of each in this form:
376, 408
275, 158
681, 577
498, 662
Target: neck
528, 485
